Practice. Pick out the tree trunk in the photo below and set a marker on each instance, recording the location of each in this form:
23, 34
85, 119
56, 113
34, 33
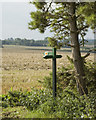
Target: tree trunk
77, 59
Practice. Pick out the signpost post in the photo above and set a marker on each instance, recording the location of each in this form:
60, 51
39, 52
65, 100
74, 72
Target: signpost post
48, 55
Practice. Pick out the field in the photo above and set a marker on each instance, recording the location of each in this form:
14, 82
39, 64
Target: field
23, 67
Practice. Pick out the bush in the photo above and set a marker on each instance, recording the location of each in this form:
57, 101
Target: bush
90, 74
72, 105
66, 77
69, 104
29, 99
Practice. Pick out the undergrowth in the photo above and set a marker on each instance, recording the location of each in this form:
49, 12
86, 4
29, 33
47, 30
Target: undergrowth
67, 104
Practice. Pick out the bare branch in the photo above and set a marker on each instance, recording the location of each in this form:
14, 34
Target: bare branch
89, 53
86, 55
71, 45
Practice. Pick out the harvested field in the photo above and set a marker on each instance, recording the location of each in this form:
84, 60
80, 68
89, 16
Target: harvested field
23, 67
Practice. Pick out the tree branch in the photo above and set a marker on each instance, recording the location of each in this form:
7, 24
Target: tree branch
82, 28
86, 55
49, 6
71, 45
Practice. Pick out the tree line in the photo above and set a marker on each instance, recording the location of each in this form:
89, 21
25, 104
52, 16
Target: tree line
32, 42
25, 42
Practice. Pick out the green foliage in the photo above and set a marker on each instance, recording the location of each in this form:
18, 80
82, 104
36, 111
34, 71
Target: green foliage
29, 99
90, 72
74, 106
65, 78
68, 104
54, 43
56, 17
88, 10
39, 18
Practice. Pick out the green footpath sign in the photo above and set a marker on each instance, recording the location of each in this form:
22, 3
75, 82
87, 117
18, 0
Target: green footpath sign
48, 55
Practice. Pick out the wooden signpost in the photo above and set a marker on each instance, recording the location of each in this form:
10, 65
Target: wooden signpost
48, 55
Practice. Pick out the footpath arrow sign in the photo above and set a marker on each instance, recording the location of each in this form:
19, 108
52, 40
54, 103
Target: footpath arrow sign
53, 56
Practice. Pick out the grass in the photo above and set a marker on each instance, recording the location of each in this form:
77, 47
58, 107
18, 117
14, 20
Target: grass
23, 112
16, 79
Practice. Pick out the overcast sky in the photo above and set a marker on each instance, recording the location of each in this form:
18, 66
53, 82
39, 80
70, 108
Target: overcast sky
15, 17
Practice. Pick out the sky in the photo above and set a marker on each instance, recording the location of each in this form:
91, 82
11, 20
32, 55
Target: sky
14, 19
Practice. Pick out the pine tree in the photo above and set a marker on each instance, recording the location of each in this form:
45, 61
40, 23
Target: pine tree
67, 21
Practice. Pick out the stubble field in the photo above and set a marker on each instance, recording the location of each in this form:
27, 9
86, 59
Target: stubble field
23, 67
